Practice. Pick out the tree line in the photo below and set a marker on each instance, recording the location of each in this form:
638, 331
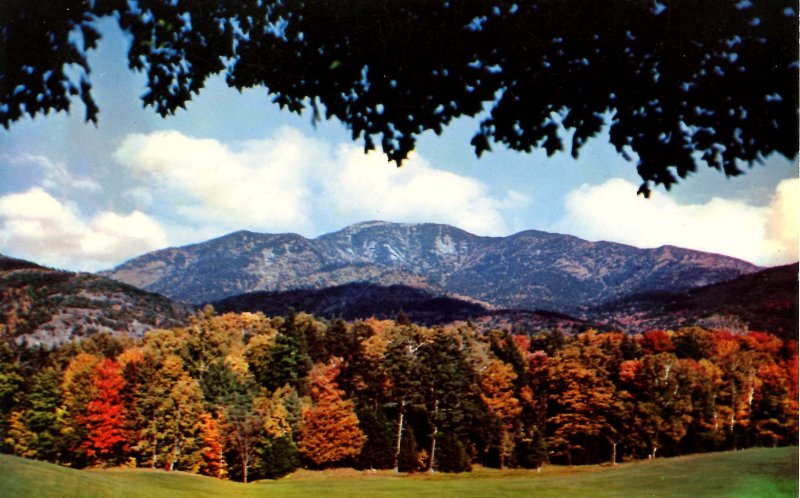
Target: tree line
245, 396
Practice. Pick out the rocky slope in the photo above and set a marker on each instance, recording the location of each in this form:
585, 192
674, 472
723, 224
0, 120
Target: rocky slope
528, 270
39, 305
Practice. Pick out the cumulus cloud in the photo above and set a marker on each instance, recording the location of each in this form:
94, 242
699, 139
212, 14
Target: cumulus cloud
257, 185
764, 235
291, 182
37, 226
365, 187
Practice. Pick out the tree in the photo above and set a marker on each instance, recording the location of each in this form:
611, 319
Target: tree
289, 361
78, 389
498, 395
449, 390
679, 83
11, 382
330, 431
211, 463
582, 405
44, 416
104, 419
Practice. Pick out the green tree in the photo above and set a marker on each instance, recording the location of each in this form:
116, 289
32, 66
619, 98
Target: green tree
10, 386
668, 78
44, 416
449, 389
289, 360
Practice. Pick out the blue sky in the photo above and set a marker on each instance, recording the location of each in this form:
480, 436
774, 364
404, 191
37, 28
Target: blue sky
81, 197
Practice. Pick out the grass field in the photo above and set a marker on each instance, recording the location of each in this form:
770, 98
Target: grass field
750, 473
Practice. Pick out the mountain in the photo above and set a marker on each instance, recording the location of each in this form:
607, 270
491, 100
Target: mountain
529, 270
40, 305
763, 301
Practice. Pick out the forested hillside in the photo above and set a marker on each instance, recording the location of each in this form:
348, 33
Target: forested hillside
245, 396
43, 306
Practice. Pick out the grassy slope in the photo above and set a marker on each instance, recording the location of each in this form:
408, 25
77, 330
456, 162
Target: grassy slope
751, 473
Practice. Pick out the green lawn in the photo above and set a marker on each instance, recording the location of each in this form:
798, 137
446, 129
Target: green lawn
750, 473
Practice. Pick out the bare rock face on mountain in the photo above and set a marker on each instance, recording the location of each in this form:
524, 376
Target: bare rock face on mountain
528, 270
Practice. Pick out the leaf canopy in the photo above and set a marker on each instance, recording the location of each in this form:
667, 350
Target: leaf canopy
679, 83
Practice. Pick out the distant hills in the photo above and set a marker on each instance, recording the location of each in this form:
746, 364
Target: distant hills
529, 270
40, 305
764, 301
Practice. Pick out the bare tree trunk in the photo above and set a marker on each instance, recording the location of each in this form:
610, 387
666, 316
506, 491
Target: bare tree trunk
155, 443
433, 437
244, 466
613, 453
399, 435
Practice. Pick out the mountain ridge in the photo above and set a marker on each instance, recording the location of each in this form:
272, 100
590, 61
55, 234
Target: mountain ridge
531, 269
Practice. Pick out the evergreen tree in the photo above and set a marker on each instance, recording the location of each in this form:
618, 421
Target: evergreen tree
452, 456
278, 457
407, 460
378, 451
43, 415
10, 386
289, 359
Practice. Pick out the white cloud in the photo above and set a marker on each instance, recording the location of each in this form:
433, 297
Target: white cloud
764, 235
291, 182
56, 174
366, 187
259, 185
37, 226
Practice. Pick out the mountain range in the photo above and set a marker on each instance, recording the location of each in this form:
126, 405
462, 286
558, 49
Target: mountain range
435, 274
530, 270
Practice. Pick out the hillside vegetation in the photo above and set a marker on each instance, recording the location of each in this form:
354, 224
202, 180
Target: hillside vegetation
750, 473
40, 305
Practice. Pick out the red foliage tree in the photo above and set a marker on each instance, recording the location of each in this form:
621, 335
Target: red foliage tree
211, 463
330, 430
104, 418
657, 341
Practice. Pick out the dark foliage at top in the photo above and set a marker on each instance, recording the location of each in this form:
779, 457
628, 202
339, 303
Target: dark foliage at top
681, 83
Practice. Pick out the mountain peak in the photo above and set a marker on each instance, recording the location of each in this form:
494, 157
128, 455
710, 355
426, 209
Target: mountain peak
529, 270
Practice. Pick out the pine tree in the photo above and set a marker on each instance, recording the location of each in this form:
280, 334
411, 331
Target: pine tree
378, 451
43, 414
289, 359
407, 458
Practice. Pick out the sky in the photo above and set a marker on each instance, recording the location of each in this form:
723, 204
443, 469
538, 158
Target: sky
86, 198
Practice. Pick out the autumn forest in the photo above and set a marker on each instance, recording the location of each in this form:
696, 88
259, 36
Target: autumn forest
246, 397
